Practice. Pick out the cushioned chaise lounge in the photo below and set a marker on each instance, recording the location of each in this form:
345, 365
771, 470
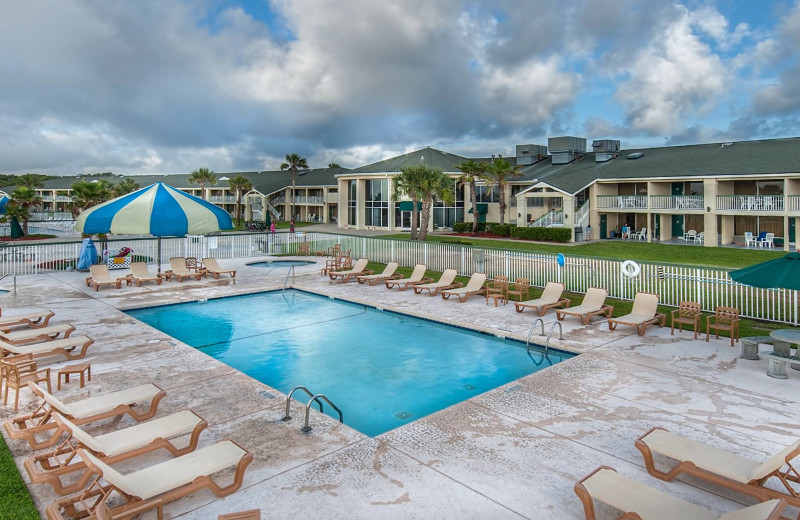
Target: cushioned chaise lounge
178, 269
474, 286
447, 281
63, 347
644, 313
140, 274
723, 467
593, 304
387, 274
98, 276
113, 447
417, 277
155, 486
640, 501
23, 336
360, 268
34, 319
82, 412
212, 267
550, 299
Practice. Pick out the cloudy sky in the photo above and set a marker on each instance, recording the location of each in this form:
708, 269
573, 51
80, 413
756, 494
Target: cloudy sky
155, 86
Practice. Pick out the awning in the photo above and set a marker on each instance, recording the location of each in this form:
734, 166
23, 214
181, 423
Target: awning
407, 205
482, 208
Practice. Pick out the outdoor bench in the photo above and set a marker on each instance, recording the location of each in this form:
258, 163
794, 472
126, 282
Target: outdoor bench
777, 364
750, 346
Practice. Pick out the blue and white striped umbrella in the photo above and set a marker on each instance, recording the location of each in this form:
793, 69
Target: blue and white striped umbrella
158, 210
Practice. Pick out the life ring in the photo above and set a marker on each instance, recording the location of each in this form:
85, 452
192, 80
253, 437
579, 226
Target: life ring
630, 269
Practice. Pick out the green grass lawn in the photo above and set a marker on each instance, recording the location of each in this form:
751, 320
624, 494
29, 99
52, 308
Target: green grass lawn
725, 257
15, 501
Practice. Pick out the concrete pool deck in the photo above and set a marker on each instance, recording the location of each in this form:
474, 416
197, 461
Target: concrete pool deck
513, 452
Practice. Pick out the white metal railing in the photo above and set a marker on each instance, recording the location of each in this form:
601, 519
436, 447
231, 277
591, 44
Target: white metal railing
673, 283
582, 215
677, 202
554, 217
793, 202
750, 202
222, 199
622, 202
63, 198
303, 199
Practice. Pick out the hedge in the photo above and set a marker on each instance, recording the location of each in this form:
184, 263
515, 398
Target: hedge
544, 234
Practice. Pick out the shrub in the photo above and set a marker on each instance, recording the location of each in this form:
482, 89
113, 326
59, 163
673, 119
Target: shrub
462, 227
542, 234
502, 230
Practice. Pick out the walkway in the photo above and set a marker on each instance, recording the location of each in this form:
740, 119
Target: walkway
514, 452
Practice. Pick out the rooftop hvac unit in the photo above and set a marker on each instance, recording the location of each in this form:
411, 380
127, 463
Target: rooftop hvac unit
564, 158
605, 145
568, 144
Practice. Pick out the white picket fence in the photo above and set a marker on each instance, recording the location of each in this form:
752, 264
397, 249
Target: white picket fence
673, 283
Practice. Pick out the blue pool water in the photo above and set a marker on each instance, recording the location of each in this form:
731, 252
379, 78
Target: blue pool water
382, 369
281, 263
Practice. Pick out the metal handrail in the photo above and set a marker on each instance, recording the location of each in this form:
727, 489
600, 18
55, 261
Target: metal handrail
14, 276
530, 331
286, 416
286, 281
306, 428
560, 334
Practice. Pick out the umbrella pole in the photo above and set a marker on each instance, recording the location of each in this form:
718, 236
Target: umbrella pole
159, 255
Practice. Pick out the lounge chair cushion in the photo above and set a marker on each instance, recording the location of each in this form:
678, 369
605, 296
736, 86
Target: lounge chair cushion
22, 335
166, 476
103, 403
715, 460
25, 317
45, 346
136, 436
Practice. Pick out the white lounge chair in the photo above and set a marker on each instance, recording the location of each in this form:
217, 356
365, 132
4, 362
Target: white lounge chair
644, 313
550, 299
447, 281
474, 286
417, 277
593, 304
113, 447
64, 347
637, 500
34, 319
211, 266
99, 276
723, 467
178, 269
20, 337
155, 486
139, 274
81, 412
360, 268
387, 274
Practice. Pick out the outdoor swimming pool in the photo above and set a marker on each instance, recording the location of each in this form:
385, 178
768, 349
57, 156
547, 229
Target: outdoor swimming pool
381, 368
281, 263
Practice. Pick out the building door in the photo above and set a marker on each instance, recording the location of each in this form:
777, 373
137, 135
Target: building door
677, 225
657, 226
677, 188
603, 226
405, 219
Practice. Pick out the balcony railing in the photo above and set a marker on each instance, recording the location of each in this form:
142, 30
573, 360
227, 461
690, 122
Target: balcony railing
622, 202
63, 198
230, 199
677, 202
307, 200
793, 202
765, 203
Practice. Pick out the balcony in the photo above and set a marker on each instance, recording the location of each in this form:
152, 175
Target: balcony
222, 199
308, 200
622, 202
63, 198
677, 202
758, 203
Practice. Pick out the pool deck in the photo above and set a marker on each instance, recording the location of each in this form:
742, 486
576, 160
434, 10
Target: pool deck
513, 452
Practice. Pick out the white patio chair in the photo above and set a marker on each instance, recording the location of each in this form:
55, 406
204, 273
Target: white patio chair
700, 237
640, 235
767, 241
749, 239
690, 235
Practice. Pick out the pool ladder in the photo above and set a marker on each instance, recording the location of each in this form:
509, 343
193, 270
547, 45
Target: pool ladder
540, 321
14, 277
286, 281
318, 398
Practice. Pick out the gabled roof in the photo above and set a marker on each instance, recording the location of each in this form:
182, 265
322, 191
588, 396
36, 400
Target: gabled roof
431, 157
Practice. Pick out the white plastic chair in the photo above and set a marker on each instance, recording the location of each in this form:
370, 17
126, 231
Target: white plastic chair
767, 241
690, 235
749, 239
700, 237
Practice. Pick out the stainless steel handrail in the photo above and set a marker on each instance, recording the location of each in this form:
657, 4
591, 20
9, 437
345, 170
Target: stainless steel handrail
286, 281
306, 428
14, 276
286, 416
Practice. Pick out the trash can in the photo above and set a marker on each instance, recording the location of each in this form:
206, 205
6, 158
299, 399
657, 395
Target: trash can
578, 234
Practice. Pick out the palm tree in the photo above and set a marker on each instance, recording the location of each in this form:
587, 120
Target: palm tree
124, 187
22, 200
203, 176
334, 165
88, 194
240, 185
472, 171
293, 163
407, 183
499, 172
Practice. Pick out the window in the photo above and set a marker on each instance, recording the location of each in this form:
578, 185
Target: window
487, 193
352, 203
535, 202
376, 204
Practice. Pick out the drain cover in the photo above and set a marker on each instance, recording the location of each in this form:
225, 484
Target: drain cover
151, 341
469, 387
403, 415
265, 393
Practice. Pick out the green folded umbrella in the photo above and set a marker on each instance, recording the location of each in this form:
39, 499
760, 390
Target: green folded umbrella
780, 273
16, 229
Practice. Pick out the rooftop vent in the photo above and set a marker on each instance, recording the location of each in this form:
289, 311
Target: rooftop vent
605, 149
727, 144
566, 149
635, 155
530, 153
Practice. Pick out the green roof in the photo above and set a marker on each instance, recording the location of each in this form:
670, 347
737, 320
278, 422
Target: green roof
431, 157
